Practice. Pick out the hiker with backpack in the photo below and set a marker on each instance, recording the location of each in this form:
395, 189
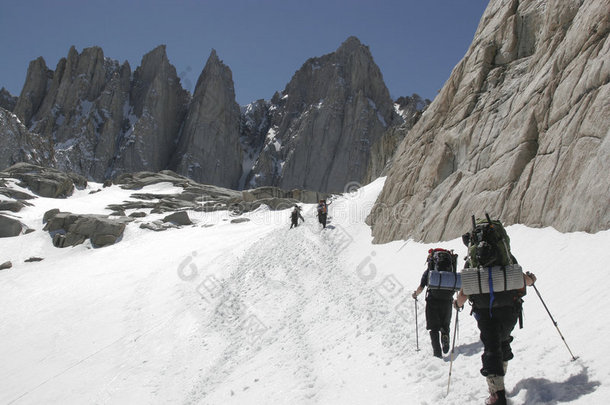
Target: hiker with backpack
322, 212
295, 215
494, 283
439, 296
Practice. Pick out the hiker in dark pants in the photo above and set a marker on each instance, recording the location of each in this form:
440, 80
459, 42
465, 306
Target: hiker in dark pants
496, 326
295, 215
322, 212
438, 314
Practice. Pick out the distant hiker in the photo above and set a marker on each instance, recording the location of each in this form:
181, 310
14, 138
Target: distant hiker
295, 215
439, 296
494, 283
323, 212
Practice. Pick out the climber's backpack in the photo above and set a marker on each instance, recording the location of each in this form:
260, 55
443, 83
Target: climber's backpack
442, 266
322, 208
491, 268
489, 244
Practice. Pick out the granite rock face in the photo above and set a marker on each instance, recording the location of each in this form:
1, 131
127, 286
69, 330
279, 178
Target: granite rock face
209, 150
255, 124
158, 107
410, 109
520, 129
7, 100
322, 126
37, 81
21, 145
99, 121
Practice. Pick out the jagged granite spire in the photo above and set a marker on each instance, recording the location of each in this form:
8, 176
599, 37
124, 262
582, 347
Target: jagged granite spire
99, 120
34, 90
209, 149
158, 105
324, 122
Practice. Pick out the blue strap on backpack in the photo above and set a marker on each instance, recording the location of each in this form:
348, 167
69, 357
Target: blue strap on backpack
491, 290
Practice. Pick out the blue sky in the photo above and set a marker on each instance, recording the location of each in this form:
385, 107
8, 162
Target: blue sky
415, 43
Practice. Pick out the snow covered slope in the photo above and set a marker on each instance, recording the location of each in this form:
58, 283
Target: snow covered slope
256, 313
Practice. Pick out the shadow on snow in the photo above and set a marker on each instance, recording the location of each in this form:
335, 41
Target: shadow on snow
543, 391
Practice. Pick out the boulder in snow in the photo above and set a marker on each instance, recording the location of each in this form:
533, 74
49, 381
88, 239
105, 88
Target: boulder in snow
45, 182
178, 218
71, 229
10, 227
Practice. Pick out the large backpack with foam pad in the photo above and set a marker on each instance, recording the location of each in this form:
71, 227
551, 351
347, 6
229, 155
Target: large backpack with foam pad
492, 273
442, 270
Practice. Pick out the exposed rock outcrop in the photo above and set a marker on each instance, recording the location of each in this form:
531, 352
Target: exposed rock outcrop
382, 151
255, 124
178, 218
304, 196
10, 227
21, 145
520, 129
45, 182
204, 198
7, 100
209, 150
69, 229
13, 206
323, 124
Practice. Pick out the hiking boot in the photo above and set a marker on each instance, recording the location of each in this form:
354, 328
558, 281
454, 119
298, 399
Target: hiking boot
436, 346
497, 398
445, 341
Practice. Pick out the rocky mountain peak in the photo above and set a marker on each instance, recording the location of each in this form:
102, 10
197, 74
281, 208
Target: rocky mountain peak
153, 63
34, 90
158, 54
350, 45
209, 148
213, 58
103, 121
156, 105
214, 69
323, 124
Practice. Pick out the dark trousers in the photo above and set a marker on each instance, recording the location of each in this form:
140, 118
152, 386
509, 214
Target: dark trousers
322, 219
438, 318
495, 334
438, 315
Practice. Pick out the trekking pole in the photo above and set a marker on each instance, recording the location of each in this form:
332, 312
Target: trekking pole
455, 327
554, 322
416, 327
